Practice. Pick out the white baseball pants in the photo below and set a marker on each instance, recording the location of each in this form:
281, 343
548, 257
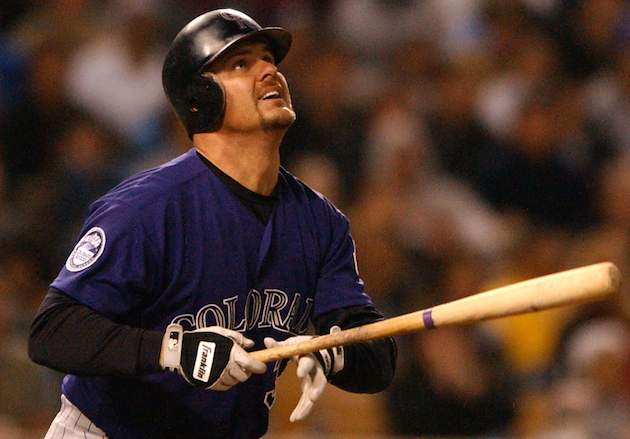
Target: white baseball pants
70, 423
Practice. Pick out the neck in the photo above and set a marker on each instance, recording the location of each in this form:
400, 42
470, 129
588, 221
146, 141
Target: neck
252, 160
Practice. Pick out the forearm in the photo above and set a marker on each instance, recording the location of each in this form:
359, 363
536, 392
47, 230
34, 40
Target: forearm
369, 366
70, 337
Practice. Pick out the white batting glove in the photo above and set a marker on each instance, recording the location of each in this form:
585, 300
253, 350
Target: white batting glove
212, 357
313, 371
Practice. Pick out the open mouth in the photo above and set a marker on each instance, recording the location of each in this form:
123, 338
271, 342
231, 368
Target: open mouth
270, 95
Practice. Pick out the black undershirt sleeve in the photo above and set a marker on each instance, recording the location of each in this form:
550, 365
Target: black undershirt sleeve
369, 366
72, 338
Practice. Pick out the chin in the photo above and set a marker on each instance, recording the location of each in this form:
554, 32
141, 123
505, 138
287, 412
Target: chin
280, 120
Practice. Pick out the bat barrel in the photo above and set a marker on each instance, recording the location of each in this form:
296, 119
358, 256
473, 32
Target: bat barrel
579, 285
571, 287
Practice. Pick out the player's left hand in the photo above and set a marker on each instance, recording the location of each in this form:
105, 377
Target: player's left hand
213, 358
313, 371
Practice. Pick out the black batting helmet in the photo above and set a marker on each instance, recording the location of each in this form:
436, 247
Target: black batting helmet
199, 100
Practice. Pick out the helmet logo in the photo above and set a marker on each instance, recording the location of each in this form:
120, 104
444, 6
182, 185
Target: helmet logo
241, 22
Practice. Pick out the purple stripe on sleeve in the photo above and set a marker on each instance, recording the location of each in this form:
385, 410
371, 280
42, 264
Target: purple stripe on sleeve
427, 318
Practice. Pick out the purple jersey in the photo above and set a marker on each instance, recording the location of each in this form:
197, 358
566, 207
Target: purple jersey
174, 244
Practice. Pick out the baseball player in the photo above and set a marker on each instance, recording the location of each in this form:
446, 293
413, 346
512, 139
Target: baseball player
182, 269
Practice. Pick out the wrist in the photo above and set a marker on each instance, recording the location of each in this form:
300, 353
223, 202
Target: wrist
331, 359
171, 350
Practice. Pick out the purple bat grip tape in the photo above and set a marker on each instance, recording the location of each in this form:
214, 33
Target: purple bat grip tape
427, 319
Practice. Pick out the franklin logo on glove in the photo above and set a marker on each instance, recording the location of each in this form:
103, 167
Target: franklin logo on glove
205, 357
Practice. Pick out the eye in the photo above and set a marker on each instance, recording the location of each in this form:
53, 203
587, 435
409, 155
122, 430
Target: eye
269, 58
239, 64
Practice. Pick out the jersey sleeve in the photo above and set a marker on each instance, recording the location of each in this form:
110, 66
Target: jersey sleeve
110, 267
339, 284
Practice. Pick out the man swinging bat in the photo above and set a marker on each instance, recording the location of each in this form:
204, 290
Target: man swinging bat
183, 269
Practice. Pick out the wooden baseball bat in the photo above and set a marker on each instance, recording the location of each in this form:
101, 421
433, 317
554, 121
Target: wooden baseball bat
571, 287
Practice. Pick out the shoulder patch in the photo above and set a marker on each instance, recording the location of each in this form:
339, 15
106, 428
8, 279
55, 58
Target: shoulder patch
87, 251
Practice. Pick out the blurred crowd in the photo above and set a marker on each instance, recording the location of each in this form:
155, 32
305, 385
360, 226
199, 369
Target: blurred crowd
472, 143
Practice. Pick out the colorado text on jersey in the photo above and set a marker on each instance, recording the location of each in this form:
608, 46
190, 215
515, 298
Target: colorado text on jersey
267, 309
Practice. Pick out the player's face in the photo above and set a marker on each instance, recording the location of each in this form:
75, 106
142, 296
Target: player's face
256, 93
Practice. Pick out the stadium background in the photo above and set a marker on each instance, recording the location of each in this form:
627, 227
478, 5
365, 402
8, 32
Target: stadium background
472, 143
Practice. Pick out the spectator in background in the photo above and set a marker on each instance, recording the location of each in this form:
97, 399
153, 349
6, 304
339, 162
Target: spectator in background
538, 251
608, 100
457, 382
33, 126
414, 65
11, 11
530, 340
590, 33
12, 77
396, 158
504, 23
328, 124
410, 213
87, 155
530, 176
9, 217
175, 141
610, 238
533, 61
591, 398
25, 389
116, 78
372, 27
320, 173
582, 144
64, 23
68, 21
463, 146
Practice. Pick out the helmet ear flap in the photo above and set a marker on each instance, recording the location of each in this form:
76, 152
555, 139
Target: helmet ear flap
205, 104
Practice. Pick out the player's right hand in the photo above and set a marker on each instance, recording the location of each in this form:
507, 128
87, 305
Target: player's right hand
212, 357
313, 371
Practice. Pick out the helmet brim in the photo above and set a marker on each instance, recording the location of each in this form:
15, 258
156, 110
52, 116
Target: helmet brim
279, 41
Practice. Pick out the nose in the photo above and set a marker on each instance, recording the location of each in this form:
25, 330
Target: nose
268, 70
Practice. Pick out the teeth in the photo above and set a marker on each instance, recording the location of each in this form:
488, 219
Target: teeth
271, 95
